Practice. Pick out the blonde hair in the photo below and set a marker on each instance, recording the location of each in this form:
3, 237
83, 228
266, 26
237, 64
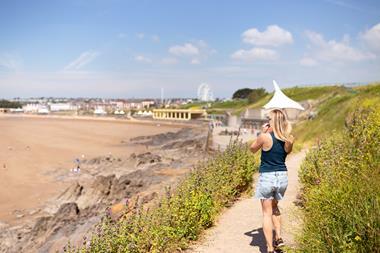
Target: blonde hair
281, 125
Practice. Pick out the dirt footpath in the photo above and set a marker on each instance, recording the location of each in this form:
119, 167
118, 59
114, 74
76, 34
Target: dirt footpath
239, 229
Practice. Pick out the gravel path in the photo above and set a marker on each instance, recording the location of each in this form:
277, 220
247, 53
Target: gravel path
239, 228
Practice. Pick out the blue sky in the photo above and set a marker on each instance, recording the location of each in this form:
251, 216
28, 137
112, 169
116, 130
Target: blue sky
124, 49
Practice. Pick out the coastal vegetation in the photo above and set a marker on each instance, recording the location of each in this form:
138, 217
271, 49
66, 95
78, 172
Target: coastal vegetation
184, 212
340, 179
9, 104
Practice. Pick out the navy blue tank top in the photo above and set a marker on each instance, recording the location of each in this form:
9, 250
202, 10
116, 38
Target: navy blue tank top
274, 159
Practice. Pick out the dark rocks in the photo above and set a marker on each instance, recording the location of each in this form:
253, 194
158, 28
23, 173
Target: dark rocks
102, 184
196, 143
67, 211
146, 158
41, 226
159, 139
101, 160
73, 192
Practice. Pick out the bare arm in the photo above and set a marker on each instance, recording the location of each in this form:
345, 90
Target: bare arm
289, 144
257, 144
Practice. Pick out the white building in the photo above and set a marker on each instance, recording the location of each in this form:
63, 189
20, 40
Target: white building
43, 110
147, 104
100, 111
56, 107
33, 108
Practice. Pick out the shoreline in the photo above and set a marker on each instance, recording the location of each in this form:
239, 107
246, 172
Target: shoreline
170, 123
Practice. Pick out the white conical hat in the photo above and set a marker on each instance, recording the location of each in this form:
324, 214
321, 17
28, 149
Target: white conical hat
281, 101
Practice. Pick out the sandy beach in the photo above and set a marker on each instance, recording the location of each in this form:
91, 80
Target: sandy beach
32, 147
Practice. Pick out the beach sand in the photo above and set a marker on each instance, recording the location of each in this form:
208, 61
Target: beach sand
31, 147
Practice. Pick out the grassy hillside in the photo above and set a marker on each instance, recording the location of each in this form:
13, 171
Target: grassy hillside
332, 111
219, 105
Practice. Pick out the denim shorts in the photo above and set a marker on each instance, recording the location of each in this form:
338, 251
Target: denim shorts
272, 185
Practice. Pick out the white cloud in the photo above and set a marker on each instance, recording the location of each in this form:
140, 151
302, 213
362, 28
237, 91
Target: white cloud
196, 51
155, 38
253, 54
204, 48
307, 61
195, 61
187, 49
169, 61
335, 51
372, 38
140, 35
272, 36
84, 59
143, 59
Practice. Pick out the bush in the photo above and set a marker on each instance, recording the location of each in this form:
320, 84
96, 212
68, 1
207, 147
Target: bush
9, 104
341, 189
256, 94
183, 213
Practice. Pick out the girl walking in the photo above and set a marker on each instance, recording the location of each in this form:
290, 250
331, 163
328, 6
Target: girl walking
275, 142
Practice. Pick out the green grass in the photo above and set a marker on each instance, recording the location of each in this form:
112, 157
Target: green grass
195, 105
231, 104
332, 111
312, 92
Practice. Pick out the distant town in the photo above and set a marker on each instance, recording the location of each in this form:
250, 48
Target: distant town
89, 106
100, 106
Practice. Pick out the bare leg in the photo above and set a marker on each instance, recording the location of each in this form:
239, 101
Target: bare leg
266, 205
276, 219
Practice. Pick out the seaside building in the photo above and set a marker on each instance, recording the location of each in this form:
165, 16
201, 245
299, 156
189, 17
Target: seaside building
34, 108
179, 114
43, 110
147, 103
56, 107
253, 118
100, 111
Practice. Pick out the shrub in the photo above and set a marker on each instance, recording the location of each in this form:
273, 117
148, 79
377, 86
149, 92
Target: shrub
182, 213
341, 189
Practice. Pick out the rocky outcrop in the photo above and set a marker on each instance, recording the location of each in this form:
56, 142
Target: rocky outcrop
79, 207
145, 158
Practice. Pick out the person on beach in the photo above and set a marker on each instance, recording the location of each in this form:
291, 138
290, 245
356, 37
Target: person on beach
275, 142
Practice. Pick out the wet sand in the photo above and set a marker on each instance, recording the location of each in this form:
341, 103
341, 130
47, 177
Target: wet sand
31, 147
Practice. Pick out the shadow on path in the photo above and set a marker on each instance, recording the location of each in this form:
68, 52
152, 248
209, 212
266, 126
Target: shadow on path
258, 239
